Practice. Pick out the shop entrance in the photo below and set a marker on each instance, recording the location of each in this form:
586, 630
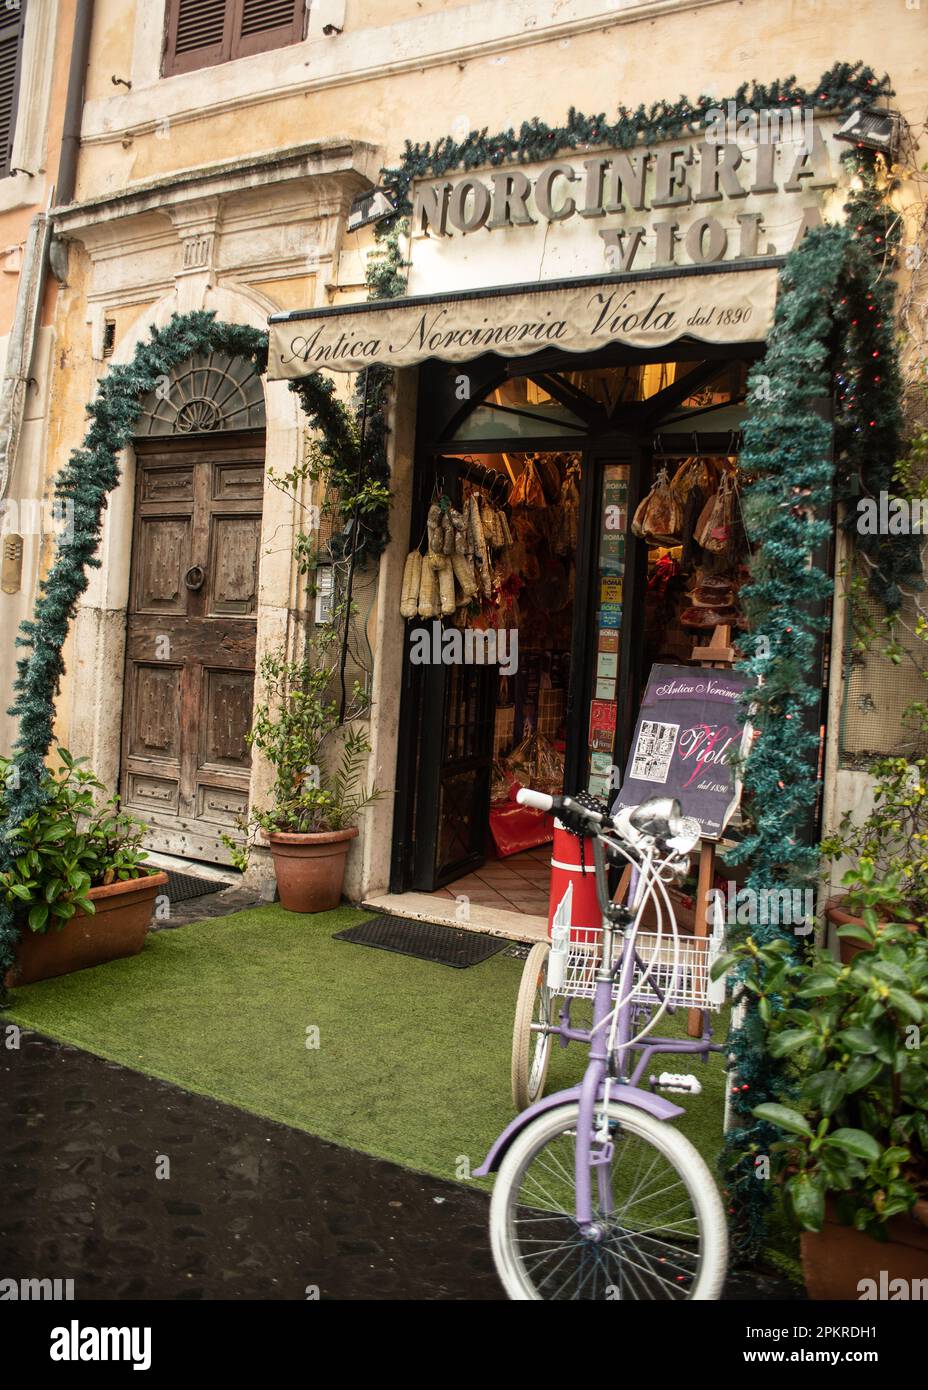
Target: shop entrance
572, 606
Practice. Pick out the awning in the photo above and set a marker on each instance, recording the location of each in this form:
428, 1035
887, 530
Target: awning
580, 315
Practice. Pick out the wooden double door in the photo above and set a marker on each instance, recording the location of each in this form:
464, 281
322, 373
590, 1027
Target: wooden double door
190, 642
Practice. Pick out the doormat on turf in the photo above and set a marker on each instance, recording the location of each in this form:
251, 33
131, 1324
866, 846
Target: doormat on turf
424, 940
181, 887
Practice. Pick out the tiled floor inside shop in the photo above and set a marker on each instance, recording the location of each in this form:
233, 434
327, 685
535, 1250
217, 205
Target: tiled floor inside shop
518, 883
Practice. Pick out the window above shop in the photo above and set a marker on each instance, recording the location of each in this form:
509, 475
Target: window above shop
11, 49
202, 33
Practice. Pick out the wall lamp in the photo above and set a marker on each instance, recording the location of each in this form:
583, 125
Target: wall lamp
372, 206
874, 130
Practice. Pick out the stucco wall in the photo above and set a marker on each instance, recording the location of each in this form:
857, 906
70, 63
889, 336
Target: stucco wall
399, 70
459, 67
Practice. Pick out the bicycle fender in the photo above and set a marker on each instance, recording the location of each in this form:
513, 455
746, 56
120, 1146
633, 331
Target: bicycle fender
658, 1106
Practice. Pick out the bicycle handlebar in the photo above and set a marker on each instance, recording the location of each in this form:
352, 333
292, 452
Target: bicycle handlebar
537, 800
657, 820
563, 806
573, 814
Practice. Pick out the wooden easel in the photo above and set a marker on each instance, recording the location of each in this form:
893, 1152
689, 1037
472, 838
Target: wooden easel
721, 654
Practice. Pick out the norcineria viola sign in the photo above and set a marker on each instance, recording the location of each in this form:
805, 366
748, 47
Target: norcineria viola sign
577, 316
734, 195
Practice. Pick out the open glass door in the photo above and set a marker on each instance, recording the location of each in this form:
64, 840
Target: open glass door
457, 760
456, 704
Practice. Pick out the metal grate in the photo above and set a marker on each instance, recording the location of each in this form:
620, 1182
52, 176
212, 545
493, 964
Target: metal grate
425, 940
182, 887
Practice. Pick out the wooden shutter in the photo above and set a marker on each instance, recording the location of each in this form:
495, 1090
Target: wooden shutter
11, 44
265, 24
201, 33
198, 34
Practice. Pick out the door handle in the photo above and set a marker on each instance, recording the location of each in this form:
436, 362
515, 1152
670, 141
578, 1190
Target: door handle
195, 576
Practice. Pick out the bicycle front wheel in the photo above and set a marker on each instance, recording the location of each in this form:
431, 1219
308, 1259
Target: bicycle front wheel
659, 1229
531, 1051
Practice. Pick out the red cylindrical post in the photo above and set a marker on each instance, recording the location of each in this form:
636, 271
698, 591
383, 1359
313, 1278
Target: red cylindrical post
572, 863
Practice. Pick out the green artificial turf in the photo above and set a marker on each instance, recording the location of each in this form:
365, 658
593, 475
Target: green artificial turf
413, 1058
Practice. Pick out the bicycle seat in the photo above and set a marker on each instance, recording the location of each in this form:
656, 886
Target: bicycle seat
657, 817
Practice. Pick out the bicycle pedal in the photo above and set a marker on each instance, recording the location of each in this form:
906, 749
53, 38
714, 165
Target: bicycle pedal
678, 1081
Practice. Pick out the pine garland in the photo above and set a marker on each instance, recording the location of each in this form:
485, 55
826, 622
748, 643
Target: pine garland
843, 89
788, 446
835, 306
867, 384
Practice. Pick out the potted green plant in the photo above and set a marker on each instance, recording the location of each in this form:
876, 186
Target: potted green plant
77, 882
893, 839
318, 751
852, 1151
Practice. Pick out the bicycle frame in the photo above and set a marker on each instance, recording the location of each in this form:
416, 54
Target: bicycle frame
608, 1074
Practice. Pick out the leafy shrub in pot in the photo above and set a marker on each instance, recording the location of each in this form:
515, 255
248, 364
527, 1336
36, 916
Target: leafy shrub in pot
75, 857
852, 1145
319, 755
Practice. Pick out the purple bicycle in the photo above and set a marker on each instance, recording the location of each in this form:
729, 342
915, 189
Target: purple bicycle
596, 1195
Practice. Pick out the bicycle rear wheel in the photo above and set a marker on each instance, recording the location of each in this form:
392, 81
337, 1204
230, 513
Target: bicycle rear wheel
660, 1233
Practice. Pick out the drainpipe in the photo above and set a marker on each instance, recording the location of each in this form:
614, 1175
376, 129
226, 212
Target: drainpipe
19, 350
74, 104
35, 257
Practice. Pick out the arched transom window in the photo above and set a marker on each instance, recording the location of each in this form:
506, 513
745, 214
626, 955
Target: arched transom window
208, 393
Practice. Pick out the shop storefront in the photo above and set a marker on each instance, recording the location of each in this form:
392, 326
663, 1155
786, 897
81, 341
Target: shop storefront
581, 334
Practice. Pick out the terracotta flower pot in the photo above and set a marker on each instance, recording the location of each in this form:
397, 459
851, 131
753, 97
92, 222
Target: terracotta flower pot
117, 928
848, 947
310, 869
836, 1259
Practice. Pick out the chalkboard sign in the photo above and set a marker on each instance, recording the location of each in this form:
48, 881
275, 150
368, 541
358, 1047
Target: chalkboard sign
689, 727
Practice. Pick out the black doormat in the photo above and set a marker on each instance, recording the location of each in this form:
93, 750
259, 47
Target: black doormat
424, 940
181, 887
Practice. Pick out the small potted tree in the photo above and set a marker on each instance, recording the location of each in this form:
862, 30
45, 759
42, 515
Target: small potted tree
78, 883
852, 1152
318, 750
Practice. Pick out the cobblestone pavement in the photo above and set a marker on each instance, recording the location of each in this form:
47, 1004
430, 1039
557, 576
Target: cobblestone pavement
251, 1209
